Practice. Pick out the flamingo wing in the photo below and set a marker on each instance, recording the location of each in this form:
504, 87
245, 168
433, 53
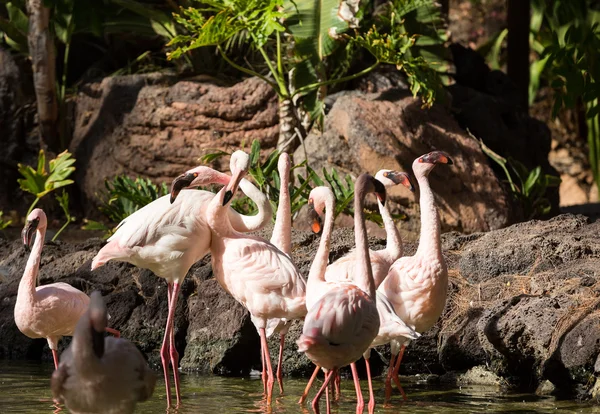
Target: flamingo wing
58, 307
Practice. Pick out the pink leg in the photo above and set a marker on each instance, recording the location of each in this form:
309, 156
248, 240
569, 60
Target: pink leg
360, 403
396, 370
270, 380
115, 333
315, 403
173, 350
371, 394
165, 348
264, 369
279, 362
307, 389
388, 380
55, 356
337, 380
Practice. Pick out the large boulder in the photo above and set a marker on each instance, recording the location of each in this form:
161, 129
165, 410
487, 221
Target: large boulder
155, 126
365, 132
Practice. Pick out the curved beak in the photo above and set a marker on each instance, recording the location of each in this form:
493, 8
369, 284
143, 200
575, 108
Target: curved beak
315, 219
183, 181
28, 232
437, 157
401, 178
232, 187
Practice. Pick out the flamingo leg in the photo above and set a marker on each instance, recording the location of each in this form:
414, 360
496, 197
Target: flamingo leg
360, 403
174, 355
165, 348
388, 380
337, 380
55, 357
279, 362
310, 381
396, 370
371, 394
270, 380
315, 403
115, 333
264, 368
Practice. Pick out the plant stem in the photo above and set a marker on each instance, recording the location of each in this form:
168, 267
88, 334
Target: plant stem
279, 61
62, 228
247, 71
332, 81
282, 88
33, 205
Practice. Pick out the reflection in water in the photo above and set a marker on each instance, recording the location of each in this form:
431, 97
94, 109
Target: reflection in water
25, 388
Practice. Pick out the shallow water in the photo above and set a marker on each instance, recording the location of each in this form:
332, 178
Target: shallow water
24, 388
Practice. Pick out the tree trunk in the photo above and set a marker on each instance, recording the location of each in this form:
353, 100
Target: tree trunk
289, 126
43, 59
518, 48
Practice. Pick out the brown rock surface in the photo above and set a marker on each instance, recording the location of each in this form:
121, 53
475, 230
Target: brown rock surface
367, 132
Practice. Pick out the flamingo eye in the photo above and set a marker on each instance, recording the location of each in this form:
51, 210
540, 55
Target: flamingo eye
385, 174
311, 201
195, 174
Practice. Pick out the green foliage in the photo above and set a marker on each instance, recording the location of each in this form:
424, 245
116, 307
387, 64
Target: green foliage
63, 201
125, 196
4, 223
41, 181
529, 187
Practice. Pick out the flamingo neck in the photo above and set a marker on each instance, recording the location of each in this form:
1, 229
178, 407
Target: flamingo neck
86, 361
28, 282
217, 217
393, 246
282, 232
364, 278
429, 243
321, 260
244, 223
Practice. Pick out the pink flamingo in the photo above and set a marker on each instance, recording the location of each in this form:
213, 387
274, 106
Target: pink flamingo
50, 311
101, 375
255, 272
344, 269
417, 285
170, 234
343, 322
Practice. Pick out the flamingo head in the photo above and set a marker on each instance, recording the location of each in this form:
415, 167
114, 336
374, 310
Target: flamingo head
365, 184
425, 163
239, 166
284, 164
98, 322
196, 177
390, 178
319, 199
36, 220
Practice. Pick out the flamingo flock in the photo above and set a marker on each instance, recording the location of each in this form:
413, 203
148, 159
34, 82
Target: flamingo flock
363, 300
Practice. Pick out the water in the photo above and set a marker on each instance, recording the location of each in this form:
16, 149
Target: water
24, 388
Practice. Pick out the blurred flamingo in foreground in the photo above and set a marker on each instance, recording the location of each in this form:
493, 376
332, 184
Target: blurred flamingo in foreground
101, 375
50, 311
169, 235
342, 323
417, 285
255, 272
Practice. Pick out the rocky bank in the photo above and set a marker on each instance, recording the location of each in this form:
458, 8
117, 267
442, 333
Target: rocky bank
524, 302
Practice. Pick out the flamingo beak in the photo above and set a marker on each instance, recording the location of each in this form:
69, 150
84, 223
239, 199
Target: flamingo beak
315, 219
183, 181
401, 178
436, 157
28, 232
232, 187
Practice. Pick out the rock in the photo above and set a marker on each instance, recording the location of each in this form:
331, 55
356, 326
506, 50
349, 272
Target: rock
155, 126
524, 302
367, 132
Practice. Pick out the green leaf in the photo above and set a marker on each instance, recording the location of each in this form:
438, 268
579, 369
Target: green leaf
162, 23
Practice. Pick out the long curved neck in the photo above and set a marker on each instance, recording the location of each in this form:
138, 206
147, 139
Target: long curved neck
244, 223
217, 216
393, 246
282, 231
321, 260
29, 280
85, 360
365, 275
429, 243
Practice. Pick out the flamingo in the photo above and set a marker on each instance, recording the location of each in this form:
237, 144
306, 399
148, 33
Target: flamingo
417, 285
50, 311
344, 269
255, 272
343, 321
169, 235
101, 375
